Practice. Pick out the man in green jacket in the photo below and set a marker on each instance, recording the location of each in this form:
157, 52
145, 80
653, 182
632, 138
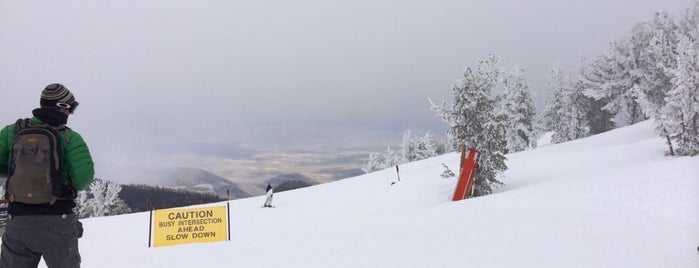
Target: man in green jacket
50, 230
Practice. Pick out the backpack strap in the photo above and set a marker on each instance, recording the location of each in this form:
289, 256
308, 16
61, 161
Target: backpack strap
21, 124
65, 130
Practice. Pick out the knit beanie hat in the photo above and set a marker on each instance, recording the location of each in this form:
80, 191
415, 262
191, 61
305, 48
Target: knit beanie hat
54, 94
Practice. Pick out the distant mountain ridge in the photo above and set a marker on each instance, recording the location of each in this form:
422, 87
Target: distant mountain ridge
279, 179
146, 197
199, 181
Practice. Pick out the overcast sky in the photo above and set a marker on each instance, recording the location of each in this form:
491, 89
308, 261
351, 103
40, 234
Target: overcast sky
224, 70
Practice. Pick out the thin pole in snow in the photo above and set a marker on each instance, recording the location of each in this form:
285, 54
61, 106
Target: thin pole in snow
228, 212
150, 222
398, 172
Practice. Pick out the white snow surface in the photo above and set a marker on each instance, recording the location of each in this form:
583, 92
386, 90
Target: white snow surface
611, 200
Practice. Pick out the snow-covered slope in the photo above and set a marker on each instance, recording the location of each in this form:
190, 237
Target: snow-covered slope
612, 200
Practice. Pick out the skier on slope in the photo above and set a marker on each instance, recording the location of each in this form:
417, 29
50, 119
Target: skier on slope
270, 193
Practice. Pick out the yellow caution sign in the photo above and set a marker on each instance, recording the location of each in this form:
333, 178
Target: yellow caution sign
181, 226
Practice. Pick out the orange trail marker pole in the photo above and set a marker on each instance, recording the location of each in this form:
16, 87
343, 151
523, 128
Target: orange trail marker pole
465, 184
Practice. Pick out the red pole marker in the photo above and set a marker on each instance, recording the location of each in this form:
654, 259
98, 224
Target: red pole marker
465, 184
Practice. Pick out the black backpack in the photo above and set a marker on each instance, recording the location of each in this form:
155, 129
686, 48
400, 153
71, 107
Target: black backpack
35, 175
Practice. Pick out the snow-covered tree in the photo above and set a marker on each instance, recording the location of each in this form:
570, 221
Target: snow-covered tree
655, 71
471, 103
517, 105
412, 148
598, 119
659, 60
592, 109
378, 161
681, 112
101, 199
424, 147
554, 114
609, 79
473, 122
564, 114
491, 160
687, 23
392, 158
374, 163
407, 147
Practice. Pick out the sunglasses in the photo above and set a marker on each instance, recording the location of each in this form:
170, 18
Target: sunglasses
70, 107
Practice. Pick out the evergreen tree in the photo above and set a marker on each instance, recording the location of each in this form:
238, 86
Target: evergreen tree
101, 199
375, 162
392, 158
657, 62
413, 148
472, 121
426, 147
565, 114
687, 24
592, 109
407, 148
681, 113
654, 70
517, 107
581, 113
491, 159
598, 119
609, 80
555, 104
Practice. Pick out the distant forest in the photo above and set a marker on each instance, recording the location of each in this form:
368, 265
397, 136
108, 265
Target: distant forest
145, 197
